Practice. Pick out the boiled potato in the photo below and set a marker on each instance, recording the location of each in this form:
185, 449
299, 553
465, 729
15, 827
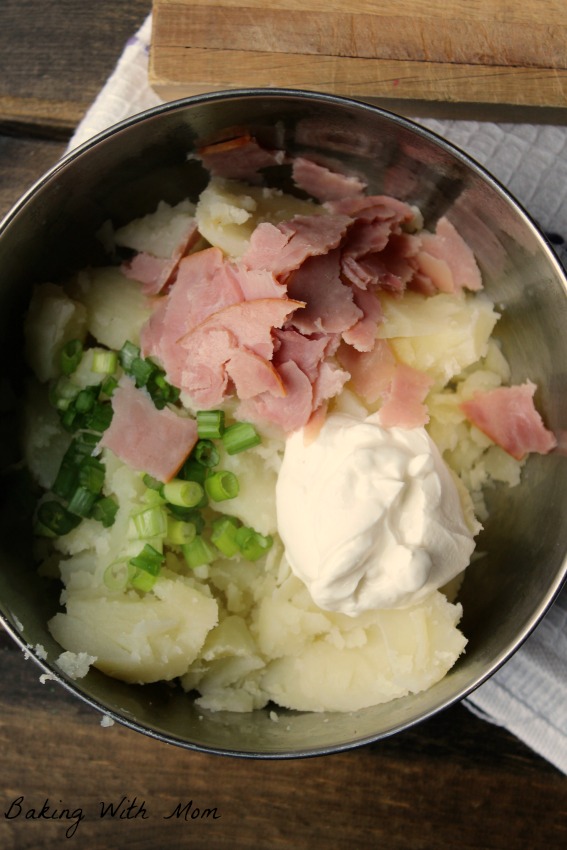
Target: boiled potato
53, 318
139, 638
116, 307
228, 212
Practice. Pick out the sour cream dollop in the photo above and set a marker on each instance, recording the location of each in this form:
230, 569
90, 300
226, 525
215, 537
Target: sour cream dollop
370, 517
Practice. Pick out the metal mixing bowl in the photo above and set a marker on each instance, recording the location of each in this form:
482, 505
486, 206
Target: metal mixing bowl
122, 174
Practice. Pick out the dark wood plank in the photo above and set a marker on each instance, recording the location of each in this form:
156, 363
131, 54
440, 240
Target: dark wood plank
22, 162
452, 782
56, 54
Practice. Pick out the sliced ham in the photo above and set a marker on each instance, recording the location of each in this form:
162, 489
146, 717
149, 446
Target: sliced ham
508, 416
283, 248
367, 237
362, 335
289, 412
250, 322
373, 208
404, 398
371, 272
447, 260
307, 352
322, 183
329, 383
330, 306
258, 283
147, 439
371, 372
155, 273
205, 283
239, 158
234, 343
253, 375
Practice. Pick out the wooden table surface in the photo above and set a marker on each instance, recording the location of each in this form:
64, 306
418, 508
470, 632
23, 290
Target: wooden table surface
453, 782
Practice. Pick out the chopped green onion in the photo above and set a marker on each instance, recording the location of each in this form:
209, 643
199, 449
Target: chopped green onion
151, 482
104, 511
85, 400
239, 437
222, 485
252, 544
142, 580
210, 424
188, 515
67, 478
192, 470
63, 393
141, 370
91, 474
198, 552
150, 522
127, 354
71, 355
161, 391
82, 501
56, 518
100, 417
118, 575
104, 362
147, 565
148, 560
184, 494
179, 532
223, 535
86, 441
206, 453
108, 386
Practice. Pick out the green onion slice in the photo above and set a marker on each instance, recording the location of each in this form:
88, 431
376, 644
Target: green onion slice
222, 485
206, 453
150, 522
104, 511
239, 437
210, 424
198, 552
56, 518
252, 544
71, 355
180, 532
223, 535
104, 362
184, 494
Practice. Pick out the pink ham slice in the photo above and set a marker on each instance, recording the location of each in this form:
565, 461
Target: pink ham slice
322, 183
252, 375
235, 343
371, 372
155, 273
205, 283
239, 158
306, 352
447, 260
362, 335
508, 416
289, 412
283, 248
403, 405
147, 439
330, 306
373, 208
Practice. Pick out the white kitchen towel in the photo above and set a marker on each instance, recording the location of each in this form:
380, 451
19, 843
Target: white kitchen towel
528, 695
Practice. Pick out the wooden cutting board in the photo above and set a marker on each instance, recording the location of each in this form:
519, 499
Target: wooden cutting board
494, 52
